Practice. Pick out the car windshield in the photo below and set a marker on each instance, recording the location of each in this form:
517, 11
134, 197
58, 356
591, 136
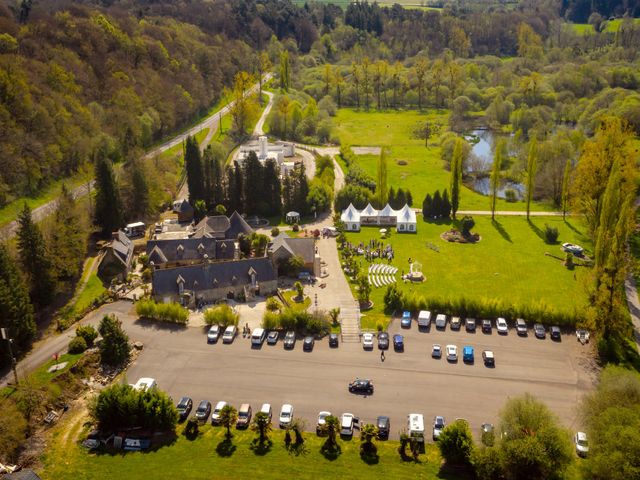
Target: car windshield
582, 443
183, 404
285, 414
243, 414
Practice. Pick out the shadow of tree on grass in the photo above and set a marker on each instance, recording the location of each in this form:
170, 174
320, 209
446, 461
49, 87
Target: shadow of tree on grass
330, 451
503, 233
261, 448
225, 448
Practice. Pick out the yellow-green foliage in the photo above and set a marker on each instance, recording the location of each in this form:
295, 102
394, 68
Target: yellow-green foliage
165, 312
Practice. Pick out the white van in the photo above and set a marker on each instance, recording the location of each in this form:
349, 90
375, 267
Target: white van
441, 321
424, 319
144, 384
258, 336
415, 426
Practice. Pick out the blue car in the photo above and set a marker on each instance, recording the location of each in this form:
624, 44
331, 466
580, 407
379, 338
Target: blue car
406, 320
398, 342
467, 354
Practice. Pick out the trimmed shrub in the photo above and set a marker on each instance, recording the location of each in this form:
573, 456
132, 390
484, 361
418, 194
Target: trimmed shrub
270, 320
550, 234
273, 304
467, 224
114, 348
164, 312
77, 345
296, 227
275, 231
456, 443
510, 195
88, 333
222, 315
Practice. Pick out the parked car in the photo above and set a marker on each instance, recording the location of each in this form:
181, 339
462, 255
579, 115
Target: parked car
398, 343
470, 324
486, 326
229, 334
184, 407
203, 411
383, 340
215, 416
436, 351
467, 354
213, 334
384, 426
415, 426
488, 358
333, 340
244, 416
286, 415
424, 319
307, 344
452, 353
406, 320
441, 321
577, 250
582, 336
501, 326
258, 336
486, 428
322, 420
266, 409
454, 323
582, 445
555, 333
361, 385
367, 341
289, 340
539, 330
346, 424
272, 337
521, 327
438, 426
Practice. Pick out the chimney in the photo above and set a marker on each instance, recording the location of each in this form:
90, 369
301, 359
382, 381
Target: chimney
263, 146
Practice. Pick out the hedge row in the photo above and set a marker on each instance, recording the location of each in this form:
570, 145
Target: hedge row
222, 315
298, 320
491, 308
164, 312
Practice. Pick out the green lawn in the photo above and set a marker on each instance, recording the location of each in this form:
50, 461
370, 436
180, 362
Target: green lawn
210, 456
423, 172
85, 294
509, 264
289, 294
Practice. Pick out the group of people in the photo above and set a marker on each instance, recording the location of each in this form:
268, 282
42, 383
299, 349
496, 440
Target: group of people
373, 250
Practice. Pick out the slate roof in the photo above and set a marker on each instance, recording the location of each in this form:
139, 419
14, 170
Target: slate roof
212, 275
173, 250
220, 226
305, 247
122, 247
182, 206
24, 474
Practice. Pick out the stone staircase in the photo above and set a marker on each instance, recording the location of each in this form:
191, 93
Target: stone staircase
350, 322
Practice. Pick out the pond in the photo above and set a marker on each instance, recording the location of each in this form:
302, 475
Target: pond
482, 143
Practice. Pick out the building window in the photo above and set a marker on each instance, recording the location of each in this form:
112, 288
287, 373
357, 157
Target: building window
401, 227
411, 227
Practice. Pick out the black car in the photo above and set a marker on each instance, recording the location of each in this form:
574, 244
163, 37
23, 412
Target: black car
383, 340
360, 385
486, 326
333, 340
384, 425
272, 337
203, 411
555, 333
307, 344
184, 407
290, 340
470, 324
539, 330
398, 343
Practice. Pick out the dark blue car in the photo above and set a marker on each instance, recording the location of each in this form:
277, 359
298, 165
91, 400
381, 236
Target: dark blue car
398, 343
406, 320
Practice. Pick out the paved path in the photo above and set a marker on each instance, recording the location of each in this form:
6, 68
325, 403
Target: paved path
634, 306
508, 213
259, 128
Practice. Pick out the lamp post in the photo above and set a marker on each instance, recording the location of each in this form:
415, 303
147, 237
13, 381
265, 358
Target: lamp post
5, 336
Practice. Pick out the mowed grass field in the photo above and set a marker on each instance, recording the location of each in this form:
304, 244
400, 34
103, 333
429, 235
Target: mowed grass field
210, 456
509, 263
424, 172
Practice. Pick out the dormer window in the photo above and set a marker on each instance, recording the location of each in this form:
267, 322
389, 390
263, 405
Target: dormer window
180, 282
200, 249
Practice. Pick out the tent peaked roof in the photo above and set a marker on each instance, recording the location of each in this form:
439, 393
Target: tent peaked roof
351, 214
387, 211
407, 214
369, 211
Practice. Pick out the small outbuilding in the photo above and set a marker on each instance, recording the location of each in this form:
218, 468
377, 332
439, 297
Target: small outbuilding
184, 210
292, 217
116, 261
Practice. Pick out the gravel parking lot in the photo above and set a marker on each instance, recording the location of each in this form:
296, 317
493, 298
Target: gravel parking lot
183, 363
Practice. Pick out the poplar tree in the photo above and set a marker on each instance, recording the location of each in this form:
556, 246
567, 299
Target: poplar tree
140, 200
35, 259
495, 176
68, 238
285, 71
565, 189
381, 188
456, 176
193, 167
531, 172
108, 213
16, 311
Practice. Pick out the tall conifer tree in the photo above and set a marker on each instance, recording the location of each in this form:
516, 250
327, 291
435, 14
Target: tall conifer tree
108, 212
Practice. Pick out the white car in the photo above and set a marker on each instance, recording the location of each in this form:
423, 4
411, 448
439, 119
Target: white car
582, 445
346, 424
229, 334
266, 408
367, 341
501, 326
215, 416
452, 353
572, 248
213, 334
322, 419
286, 415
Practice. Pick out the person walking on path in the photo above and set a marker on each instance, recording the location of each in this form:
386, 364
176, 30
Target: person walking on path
382, 355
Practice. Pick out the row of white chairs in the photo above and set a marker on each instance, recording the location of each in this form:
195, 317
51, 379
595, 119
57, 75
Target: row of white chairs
379, 280
382, 268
